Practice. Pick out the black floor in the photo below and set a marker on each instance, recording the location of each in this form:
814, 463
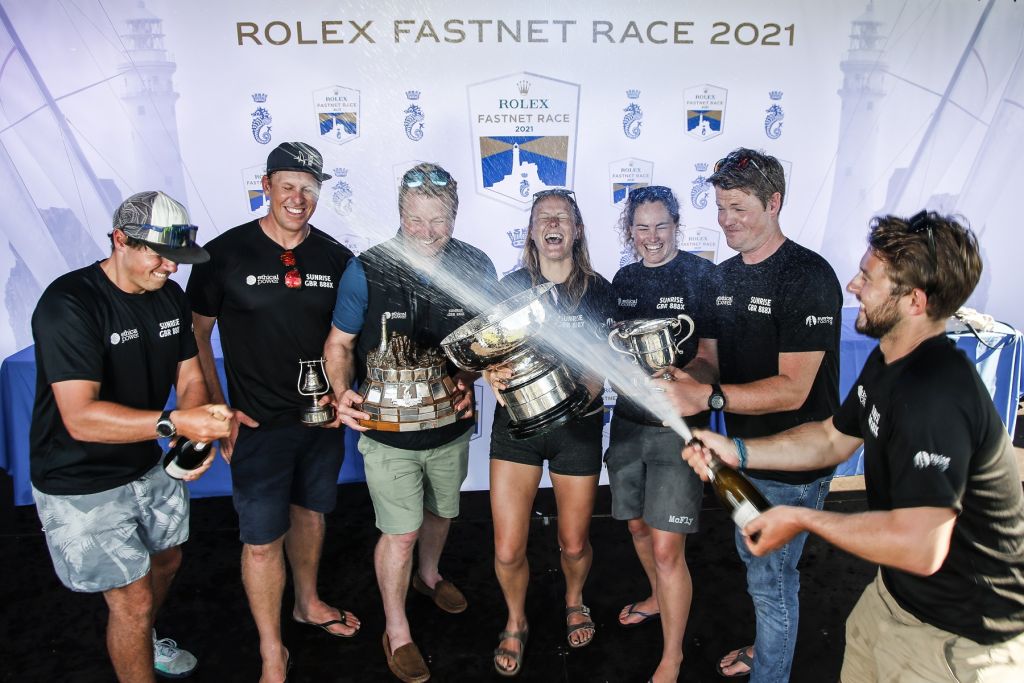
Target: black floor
48, 633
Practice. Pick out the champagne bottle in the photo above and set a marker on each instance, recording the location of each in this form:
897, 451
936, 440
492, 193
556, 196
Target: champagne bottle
737, 494
184, 457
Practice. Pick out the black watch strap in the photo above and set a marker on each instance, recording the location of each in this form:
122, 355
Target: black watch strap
164, 427
716, 401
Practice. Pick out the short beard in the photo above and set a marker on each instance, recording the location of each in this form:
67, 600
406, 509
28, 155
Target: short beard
879, 323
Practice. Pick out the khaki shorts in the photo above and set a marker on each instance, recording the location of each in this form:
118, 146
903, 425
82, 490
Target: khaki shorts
402, 483
884, 642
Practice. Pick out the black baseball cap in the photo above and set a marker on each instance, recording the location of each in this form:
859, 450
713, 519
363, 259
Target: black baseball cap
297, 156
163, 224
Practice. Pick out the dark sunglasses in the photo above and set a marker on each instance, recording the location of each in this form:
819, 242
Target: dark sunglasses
649, 192
438, 177
176, 236
740, 161
292, 276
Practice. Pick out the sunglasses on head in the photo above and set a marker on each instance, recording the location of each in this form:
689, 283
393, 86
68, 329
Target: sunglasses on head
649, 192
172, 236
556, 192
438, 177
292, 276
740, 161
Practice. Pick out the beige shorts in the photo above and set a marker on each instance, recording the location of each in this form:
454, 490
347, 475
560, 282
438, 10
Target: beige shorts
884, 642
403, 483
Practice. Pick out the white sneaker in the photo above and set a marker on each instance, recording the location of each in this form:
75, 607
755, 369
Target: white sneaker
170, 661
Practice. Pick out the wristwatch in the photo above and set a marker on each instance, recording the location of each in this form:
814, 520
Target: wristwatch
716, 401
165, 429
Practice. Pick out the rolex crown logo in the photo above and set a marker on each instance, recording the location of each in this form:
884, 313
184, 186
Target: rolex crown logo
412, 94
259, 97
523, 86
775, 94
633, 94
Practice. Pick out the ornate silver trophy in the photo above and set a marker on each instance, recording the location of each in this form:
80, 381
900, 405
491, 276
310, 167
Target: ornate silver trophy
406, 389
313, 382
653, 343
541, 393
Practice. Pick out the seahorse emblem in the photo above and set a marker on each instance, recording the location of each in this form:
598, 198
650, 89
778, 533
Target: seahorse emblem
699, 193
261, 120
773, 122
632, 120
341, 198
414, 122
524, 188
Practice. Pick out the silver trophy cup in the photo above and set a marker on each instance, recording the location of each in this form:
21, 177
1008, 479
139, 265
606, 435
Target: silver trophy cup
541, 393
313, 382
653, 343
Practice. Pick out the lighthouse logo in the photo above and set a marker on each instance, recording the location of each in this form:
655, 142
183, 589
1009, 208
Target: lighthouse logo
628, 174
705, 111
523, 135
252, 182
337, 114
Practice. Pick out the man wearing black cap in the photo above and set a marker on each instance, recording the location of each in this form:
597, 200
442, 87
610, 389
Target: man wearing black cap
111, 339
270, 286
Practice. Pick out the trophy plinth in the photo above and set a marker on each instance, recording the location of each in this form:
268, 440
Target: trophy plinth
541, 393
313, 382
406, 389
652, 343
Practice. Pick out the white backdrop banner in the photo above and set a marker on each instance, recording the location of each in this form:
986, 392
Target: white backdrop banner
872, 108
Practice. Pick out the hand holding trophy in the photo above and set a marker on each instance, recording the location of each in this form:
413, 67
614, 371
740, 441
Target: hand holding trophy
313, 382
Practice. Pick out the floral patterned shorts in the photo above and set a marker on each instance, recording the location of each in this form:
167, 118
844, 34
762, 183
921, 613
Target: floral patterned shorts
100, 541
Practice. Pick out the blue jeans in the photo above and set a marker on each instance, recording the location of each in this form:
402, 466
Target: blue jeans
773, 583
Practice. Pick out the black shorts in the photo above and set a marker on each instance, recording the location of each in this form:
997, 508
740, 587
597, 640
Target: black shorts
572, 449
272, 469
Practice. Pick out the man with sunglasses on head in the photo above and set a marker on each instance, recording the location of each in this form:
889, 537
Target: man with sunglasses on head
774, 335
427, 284
945, 517
111, 339
270, 286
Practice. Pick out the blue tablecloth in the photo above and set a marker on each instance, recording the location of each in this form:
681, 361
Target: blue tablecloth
17, 393
1000, 368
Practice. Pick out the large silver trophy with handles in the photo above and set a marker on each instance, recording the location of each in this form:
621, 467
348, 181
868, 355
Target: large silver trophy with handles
406, 389
653, 343
541, 393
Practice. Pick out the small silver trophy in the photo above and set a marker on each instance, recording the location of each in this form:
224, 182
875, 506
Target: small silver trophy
653, 343
313, 382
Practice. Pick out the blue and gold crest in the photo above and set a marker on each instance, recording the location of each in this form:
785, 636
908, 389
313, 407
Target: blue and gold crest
524, 135
626, 174
705, 111
337, 114
252, 181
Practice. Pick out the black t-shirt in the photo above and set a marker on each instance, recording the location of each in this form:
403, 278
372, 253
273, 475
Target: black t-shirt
679, 286
933, 438
588, 320
85, 328
791, 302
266, 328
426, 309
